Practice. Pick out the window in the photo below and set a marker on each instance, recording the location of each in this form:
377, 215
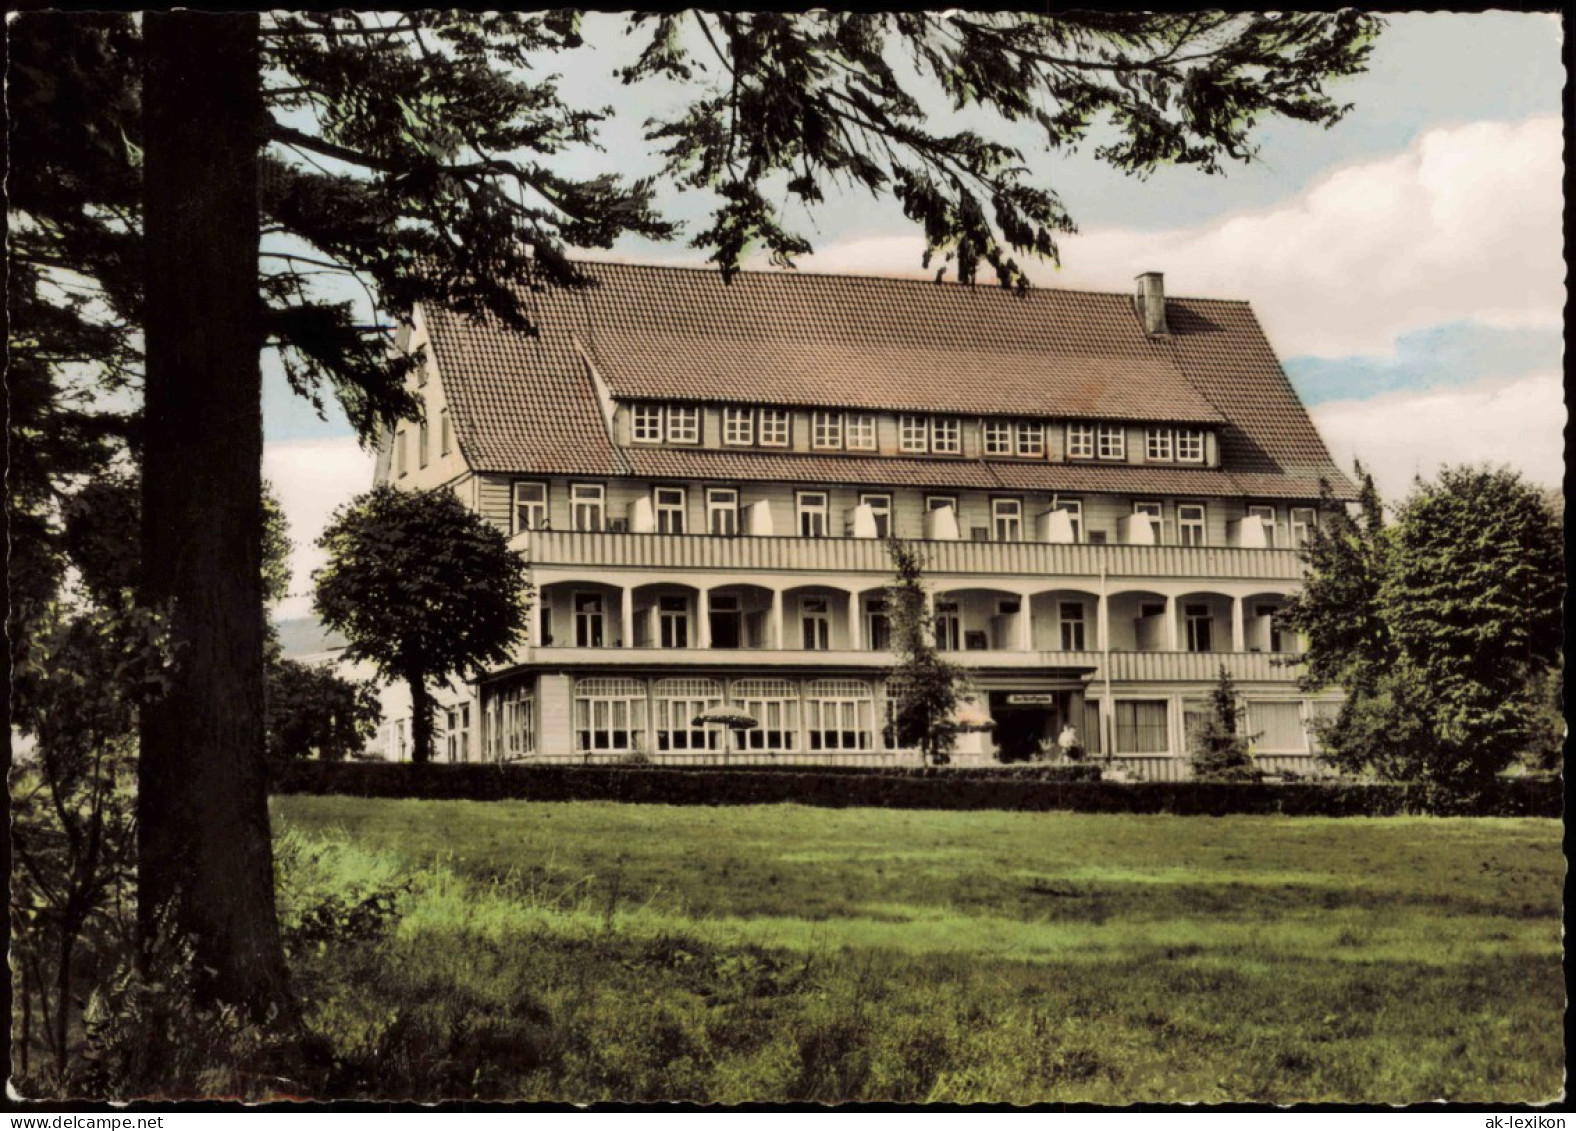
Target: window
998, 438
722, 511
826, 429
530, 506
679, 702
814, 512
510, 729
1071, 614
1267, 516
936, 502
1190, 523
1031, 440
860, 431
949, 627
1074, 509
738, 426
946, 435
445, 432
1190, 445
1278, 637
1157, 444
587, 506
881, 508
1007, 519
725, 620
816, 620
399, 452
878, 626
421, 442
838, 714
774, 428
1080, 441
668, 502
645, 426
911, 434
1276, 726
683, 424
673, 621
1303, 520
1200, 628
1112, 441
1141, 726
588, 620
610, 715
774, 703
1153, 510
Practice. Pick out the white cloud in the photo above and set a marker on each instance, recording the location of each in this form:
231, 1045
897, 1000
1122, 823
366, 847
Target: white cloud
311, 478
1400, 435
1462, 226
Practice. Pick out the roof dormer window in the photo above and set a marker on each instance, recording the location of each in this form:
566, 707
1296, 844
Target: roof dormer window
1080, 441
1111, 441
1190, 445
946, 435
1031, 440
859, 431
683, 424
738, 426
774, 428
912, 435
826, 429
645, 424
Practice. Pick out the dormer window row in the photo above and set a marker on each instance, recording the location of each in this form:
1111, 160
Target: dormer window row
853, 430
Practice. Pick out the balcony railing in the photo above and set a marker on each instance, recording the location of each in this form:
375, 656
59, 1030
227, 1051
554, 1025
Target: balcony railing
868, 555
1176, 667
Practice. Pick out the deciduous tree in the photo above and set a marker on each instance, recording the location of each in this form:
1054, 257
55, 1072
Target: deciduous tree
1441, 627
424, 588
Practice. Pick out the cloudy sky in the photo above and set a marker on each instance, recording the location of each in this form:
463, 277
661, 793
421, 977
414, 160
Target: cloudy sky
1407, 265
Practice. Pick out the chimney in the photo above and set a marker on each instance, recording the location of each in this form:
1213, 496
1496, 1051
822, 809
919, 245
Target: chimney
1150, 300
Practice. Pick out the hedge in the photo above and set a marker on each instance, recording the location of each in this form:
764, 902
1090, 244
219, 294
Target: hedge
912, 788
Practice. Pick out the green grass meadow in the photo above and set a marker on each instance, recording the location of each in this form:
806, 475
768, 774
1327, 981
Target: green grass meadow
584, 951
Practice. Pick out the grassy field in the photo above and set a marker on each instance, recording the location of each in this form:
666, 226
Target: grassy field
598, 951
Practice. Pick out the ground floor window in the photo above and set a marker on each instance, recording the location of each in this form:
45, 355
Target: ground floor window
1276, 726
1093, 732
839, 714
1320, 713
678, 703
457, 734
610, 715
774, 703
1141, 726
511, 725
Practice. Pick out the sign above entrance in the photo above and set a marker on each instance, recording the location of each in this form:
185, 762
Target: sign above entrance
1026, 698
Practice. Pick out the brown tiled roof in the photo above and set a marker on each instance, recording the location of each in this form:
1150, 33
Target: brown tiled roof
519, 402
524, 403
1268, 443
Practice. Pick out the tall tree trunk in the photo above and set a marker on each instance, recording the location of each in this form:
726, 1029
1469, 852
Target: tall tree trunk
204, 850
421, 707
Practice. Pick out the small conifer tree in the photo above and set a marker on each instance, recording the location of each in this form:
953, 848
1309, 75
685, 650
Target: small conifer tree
1217, 749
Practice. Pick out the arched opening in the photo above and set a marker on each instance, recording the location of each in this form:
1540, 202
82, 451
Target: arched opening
1138, 621
666, 615
579, 614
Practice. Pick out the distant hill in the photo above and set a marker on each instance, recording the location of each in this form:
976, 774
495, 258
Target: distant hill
302, 636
